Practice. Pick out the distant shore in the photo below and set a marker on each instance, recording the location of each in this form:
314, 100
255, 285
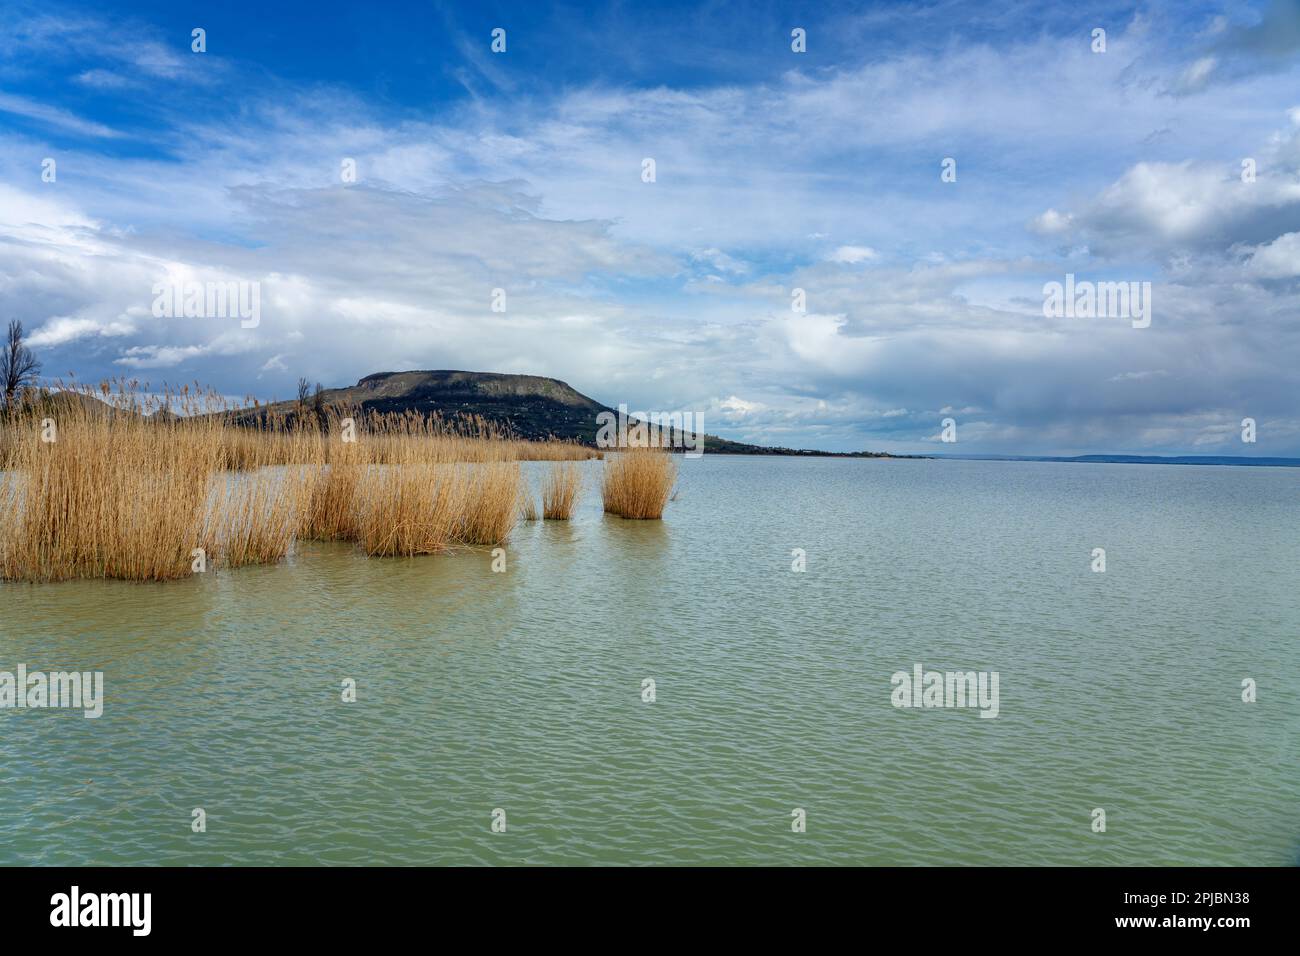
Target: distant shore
1258, 462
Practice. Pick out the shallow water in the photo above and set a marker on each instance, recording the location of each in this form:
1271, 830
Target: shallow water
521, 690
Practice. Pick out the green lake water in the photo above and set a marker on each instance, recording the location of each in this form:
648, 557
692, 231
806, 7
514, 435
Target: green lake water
522, 690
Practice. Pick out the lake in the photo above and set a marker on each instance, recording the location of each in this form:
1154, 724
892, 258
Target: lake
522, 690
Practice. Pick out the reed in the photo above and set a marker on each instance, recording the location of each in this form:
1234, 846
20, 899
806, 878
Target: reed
408, 510
258, 512
99, 491
332, 514
560, 491
552, 451
257, 516
490, 502
133, 483
638, 482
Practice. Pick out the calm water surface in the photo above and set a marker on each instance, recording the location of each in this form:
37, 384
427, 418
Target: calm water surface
522, 690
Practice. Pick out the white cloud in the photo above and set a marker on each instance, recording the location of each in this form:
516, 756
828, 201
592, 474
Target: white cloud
62, 330
1051, 223
720, 261
106, 80
159, 356
168, 356
1279, 259
1190, 206
53, 116
736, 406
1138, 376
853, 254
1197, 75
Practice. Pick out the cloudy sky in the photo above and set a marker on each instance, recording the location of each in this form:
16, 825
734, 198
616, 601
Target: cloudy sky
774, 171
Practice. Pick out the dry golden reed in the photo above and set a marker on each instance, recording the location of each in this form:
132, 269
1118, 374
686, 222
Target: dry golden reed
408, 510
332, 514
638, 482
560, 490
256, 517
101, 491
490, 502
117, 484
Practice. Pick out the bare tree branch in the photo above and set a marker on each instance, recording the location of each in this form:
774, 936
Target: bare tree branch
18, 366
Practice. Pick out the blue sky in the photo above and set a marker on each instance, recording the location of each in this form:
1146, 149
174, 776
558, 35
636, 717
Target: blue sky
775, 170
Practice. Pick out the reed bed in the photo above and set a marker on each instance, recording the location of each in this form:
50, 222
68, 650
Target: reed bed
390, 439
332, 513
409, 510
256, 517
560, 490
490, 505
94, 492
552, 451
638, 483
127, 485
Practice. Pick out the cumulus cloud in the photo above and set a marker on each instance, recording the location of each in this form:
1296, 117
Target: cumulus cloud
1279, 259
62, 330
852, 254
1190, 207
1051, 223
736, 406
